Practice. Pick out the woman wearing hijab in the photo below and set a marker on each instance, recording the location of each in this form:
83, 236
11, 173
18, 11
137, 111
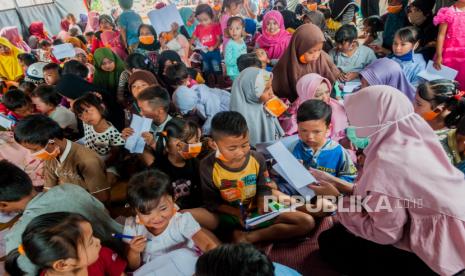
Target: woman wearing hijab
10, 68
420, 15
106, 24
250, 91
187, 15
303, 56
274, 38
138, 81
12, 34
82, 22
412, 220
385, 71
92, 22
72, 87
343, 10
36, 29
314, 86
147, 39
108, 68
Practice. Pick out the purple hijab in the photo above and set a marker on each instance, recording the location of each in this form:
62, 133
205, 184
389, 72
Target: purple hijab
385, 71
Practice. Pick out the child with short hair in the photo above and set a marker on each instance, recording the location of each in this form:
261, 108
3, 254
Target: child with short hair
403, 52
99, 134
349, 56
63, 243
248, 60
208, 34
314, 148
129, 22
47, 101
45, 51
157, 227
18, 104
176, 155
235, 176
52, 73
235, 46
27, 87
199, 101
65, 161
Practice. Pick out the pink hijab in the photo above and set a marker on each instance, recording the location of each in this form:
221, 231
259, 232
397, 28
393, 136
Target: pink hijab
92, 22
12, 34
111, 39
306, 88
274, 45
406, 161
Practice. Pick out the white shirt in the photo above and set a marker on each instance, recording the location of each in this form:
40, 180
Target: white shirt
178, 234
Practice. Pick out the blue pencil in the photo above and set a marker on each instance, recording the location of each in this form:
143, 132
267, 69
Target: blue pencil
122, 236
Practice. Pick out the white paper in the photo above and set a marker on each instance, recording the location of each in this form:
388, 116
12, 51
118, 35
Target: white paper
135, 143
297, 175
431, 73
65, 50
304, 191
163, 18
178, 262
350, 86
5, 122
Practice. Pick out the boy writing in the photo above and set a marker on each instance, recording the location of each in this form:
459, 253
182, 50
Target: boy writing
236, 176
65, 161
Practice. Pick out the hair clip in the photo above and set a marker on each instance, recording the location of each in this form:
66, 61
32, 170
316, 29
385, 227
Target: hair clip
21, 250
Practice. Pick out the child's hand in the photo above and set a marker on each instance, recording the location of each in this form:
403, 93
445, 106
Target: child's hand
137, 244
148, 138
342, 77
437, 62
351, 76
126, 133
324, 188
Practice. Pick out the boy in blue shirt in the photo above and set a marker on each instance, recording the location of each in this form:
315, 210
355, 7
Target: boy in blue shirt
314, 148
129, 22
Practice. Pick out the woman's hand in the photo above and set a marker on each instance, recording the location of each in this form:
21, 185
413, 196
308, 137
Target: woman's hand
324, 178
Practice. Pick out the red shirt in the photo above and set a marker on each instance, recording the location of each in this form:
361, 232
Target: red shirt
108, 264
208, 35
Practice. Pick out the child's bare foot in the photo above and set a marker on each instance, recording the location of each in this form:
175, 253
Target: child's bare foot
239, 236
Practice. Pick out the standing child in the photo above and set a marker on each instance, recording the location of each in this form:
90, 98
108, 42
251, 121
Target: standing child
230, 8
403, 52
129, 22
208, 33
176, 155
47, 101
450, 47
157, 227
274, 38
235, 47
250, 94
236, 176
63, 243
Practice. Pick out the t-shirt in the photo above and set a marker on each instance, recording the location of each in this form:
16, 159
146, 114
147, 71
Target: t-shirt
362, 57
101, 143
130, 21
64, 117
178, 234
77, 165
64, 198
232, 52
208, 35
107, 264
223, 185
185, 181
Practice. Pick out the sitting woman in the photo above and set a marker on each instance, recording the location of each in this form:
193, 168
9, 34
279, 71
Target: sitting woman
108, 68
303, 56
274, 38
385, 71
10, 68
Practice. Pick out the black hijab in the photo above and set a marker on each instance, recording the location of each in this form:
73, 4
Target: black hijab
149, 47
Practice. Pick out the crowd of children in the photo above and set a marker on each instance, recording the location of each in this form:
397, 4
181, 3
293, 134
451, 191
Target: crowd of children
238, 75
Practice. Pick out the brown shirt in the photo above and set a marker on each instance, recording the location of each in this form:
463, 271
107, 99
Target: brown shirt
77, 165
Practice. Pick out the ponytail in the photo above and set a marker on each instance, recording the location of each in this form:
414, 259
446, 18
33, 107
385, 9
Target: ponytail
11, 263
175, 128
456, 105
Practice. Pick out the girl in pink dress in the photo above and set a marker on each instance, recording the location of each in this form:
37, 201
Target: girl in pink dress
450, 48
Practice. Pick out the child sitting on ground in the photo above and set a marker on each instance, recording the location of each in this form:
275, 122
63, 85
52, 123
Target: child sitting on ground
47, 102
18, 104
200, 100
63, 243
157, 227
314, 148
236, 176
349, 56
65, 161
